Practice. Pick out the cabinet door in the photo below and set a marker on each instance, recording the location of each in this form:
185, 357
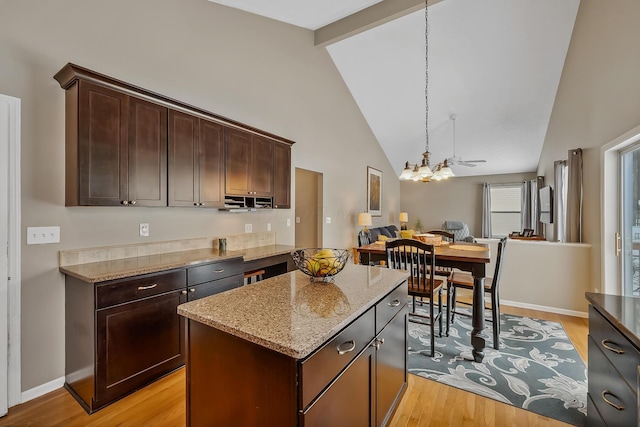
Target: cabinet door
262, 166
211, 163
238, 161
281, 176
391, 365
183, 163
349, 401
147, 154
214, 287
137, 343
103, 123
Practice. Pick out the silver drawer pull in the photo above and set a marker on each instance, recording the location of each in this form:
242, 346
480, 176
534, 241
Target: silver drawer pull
615, 350
610, 403
219, 271
192, 290
377, 343
143, 288
394, 303
351, 346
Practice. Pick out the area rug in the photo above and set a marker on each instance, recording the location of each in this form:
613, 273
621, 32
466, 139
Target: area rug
537, 368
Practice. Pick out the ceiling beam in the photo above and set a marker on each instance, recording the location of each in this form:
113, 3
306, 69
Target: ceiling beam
377, 14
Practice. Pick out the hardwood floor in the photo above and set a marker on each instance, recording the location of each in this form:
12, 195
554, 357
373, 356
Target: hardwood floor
163, 402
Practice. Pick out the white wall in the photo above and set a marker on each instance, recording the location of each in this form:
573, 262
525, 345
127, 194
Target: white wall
251, 69
543, 275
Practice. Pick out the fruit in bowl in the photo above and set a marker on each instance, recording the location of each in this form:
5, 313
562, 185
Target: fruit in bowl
321, 264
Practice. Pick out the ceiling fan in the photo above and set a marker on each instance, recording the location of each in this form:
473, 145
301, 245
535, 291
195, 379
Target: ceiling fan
458, 160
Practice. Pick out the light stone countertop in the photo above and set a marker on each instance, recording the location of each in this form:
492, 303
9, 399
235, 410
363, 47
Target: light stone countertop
127, 267
289, 313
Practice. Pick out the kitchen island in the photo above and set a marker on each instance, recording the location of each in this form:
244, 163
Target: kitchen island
287, 351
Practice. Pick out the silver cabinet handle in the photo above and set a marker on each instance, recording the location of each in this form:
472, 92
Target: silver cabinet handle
377, 343
351, 346
125, 202
610, 403
394, 303
133, 202
192, 290
183, 292
219, 271
615, 350
142, 288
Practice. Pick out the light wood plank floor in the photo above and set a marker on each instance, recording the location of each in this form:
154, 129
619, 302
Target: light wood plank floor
163, 402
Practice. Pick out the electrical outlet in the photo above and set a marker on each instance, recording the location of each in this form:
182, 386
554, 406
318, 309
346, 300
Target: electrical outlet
328, 220
268, 226
248, 228
43, 235
297, 220
144, 229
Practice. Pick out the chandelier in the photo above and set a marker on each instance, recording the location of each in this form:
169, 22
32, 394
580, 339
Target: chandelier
423, 172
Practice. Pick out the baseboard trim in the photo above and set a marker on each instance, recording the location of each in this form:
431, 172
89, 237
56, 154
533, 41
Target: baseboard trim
556, 310
42, 389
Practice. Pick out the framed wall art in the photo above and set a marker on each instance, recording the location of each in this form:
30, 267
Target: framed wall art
374, 191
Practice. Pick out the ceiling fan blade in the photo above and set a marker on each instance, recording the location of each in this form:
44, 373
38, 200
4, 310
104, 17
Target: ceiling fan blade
464, 163
475, 161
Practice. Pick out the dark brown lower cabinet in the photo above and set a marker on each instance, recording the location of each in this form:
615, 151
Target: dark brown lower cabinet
137, 342
232, 381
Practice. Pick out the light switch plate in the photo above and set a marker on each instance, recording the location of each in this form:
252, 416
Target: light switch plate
268, 226
248, 228
328, 220
144, 229
288, 222
43, 235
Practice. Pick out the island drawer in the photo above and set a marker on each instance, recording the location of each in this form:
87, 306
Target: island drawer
125, 290
322, 366
614, 399
390, 305
614, 346
214, 271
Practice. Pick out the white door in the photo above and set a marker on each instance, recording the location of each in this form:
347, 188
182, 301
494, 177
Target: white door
9, 249
630, 219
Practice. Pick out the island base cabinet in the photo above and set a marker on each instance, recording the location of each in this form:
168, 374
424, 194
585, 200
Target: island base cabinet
231, 381
349, 400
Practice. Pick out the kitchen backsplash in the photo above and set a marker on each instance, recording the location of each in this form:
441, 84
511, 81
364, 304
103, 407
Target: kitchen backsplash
108, 253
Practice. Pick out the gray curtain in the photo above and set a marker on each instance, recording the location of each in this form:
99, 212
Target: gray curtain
486, 210
560, 200
574, 196
529, 206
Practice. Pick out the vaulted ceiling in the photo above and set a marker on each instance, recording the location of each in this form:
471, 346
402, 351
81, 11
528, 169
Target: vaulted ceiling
495, 64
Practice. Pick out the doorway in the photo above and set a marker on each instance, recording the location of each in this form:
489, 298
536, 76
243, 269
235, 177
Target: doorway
630, 219
10, 388
308, 209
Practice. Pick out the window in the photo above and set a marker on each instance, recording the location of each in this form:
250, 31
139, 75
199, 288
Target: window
506, 205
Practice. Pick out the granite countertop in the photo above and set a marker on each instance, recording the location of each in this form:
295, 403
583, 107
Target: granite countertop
127, 267
289, 313
622, 312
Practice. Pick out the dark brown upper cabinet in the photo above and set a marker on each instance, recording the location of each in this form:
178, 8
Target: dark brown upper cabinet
249, 164
281, 176
129, 146
195, 161
116, 149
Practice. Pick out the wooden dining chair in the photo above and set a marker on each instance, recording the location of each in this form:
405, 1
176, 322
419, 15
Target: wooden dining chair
465, 281
420, 260
446, 237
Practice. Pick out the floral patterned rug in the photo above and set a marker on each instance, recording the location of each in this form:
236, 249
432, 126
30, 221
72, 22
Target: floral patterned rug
537, 368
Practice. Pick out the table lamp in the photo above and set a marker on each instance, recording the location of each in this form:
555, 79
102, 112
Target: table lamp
364, 219
404, 218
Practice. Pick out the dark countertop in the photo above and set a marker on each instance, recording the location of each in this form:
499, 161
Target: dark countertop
622, 312
127, 267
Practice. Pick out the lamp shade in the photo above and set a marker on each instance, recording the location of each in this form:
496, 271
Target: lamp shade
404, 217
364, 219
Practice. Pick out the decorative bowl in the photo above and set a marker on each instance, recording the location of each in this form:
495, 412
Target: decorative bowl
321, 264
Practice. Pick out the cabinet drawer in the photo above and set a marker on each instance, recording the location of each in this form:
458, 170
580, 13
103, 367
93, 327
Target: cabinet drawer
126, 290
606, 384
214, 271
214, 287
390, 305
617, 349
322, 366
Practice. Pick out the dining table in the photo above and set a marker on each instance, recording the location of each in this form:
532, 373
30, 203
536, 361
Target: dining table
465, 256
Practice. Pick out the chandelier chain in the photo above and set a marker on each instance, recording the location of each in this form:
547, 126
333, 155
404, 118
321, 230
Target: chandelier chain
426, 74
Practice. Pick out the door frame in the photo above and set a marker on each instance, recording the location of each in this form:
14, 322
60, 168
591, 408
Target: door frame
610, 193
10, 348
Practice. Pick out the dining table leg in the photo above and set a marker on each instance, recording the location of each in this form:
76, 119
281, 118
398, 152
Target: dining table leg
478, 340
